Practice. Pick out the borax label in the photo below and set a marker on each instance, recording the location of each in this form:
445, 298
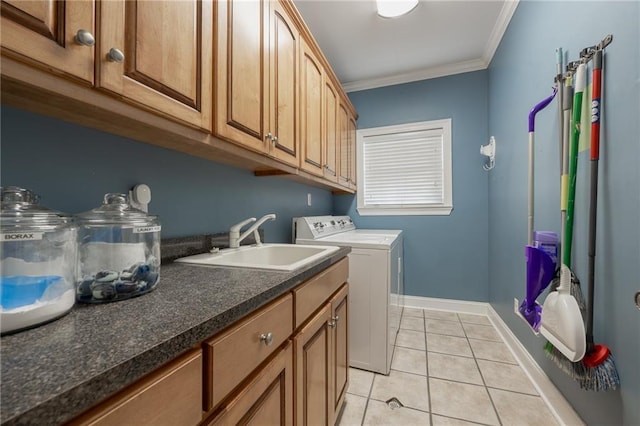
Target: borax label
145, 229
21, 236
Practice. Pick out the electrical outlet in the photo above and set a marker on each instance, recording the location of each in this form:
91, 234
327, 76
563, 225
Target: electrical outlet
516, 305
309, 199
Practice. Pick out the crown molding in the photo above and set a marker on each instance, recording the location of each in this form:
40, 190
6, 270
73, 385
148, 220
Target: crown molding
502, 22
424, 74
506, 13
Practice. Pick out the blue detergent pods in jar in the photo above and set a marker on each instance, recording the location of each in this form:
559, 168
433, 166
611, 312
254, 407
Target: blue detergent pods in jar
119, 252
38, 254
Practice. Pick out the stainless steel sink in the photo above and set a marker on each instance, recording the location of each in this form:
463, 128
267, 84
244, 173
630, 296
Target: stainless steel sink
281, 257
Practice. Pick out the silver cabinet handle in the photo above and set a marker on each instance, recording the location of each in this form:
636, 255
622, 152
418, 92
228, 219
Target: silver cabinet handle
267, 339
115, 55
333, 323
85, 38
274, 140
336, 318
269, 136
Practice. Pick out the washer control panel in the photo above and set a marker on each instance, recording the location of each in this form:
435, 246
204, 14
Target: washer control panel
314, 227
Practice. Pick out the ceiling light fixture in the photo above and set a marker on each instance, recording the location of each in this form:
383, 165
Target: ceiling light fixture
395, 8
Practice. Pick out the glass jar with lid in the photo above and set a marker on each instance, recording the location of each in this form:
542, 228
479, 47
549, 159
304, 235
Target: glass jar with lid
119, 251
38, 255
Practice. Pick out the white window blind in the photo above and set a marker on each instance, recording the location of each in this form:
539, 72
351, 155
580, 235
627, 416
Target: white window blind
405, 169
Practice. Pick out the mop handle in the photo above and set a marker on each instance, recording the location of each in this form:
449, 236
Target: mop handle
559, 85
596, 91
573, 163
532, 120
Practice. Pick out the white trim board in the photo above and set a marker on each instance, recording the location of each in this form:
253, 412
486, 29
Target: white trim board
559, 406
502, 22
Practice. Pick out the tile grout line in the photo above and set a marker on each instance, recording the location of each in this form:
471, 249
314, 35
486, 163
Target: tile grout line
486, 388
426, 361
366, 404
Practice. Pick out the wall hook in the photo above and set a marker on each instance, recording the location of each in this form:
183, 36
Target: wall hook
489, 150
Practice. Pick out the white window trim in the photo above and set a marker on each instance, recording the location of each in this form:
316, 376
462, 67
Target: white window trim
443, 209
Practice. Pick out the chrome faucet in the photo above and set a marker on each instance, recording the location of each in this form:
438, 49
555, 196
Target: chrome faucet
234, 232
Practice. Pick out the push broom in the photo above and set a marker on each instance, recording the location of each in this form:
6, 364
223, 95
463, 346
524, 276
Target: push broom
598, 368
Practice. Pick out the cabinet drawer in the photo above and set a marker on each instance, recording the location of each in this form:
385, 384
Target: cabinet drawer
233, 355
311, 295
266, 400
169, 396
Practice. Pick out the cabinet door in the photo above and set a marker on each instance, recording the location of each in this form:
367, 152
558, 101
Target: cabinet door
241, 72
170, 396
330, 132
166, 56
343, 170
311, 111
266, 400
285, 48
352, 152
339, 378
312, 355
42, 32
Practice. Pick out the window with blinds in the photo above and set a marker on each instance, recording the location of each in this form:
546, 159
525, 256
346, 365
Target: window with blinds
405, 169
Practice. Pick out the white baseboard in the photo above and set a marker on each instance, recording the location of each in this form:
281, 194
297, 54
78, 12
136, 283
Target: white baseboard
462, 306
559, 406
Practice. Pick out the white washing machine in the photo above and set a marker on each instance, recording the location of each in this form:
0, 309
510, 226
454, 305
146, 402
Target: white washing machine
375, 284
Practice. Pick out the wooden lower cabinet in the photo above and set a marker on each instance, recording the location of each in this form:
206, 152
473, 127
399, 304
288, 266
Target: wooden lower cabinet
266, 400
339, 379
321, 363
312, 359
285, 363
170, 396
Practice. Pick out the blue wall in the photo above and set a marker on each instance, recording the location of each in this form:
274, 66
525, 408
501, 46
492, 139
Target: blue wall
520, 75
72, 167
445, 256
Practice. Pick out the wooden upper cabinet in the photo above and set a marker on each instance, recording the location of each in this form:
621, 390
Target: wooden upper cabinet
331, 136
283, 94
352, 151
240, 76
42, 33
311, 87
256, 77
159, 54
343, 143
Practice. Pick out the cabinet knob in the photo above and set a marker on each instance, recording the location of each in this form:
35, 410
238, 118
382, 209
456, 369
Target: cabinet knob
115, 55
267, 339
332, 323
274, 139
269, 136
336, 318
85, 38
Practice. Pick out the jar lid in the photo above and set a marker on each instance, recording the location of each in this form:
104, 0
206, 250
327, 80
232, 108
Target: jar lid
20, 209
116, 210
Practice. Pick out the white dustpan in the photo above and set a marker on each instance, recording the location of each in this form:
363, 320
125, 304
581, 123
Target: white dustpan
561, 322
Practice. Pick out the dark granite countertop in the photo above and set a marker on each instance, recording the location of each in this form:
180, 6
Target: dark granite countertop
56, 371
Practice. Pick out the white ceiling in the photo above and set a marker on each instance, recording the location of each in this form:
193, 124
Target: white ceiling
437, 38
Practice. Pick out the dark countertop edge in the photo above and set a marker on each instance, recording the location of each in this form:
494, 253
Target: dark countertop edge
97, 388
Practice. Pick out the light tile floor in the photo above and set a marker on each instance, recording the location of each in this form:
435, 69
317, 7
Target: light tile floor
448, 369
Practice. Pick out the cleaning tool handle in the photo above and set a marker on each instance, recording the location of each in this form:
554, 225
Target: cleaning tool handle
567, 102
596, 90
573, 160
539, 107
593, 202
532, 118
